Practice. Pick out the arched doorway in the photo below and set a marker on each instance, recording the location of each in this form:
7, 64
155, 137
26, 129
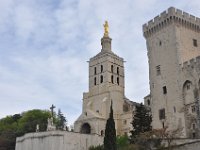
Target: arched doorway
85, 128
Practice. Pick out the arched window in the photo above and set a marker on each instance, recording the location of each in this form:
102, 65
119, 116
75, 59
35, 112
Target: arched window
118, 80
95, 81
101, 68
112, 79
101, 79
112, 68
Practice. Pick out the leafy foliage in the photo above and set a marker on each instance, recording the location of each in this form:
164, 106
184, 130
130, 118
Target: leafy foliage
8, 132
110, 133
122, 141
19, 124
31, 118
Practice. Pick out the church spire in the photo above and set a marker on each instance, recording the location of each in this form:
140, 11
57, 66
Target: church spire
106, 40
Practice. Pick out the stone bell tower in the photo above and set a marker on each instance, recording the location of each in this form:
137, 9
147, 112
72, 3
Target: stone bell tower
106, 84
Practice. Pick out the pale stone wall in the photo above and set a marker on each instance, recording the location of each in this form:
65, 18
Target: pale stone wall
171, 50
165, 56
57, 140
126, 125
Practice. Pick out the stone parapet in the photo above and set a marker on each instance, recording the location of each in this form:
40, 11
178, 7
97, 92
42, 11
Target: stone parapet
167, 17
192, 63
57, 140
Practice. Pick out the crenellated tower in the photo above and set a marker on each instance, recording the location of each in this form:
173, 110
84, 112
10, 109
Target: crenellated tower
173, 44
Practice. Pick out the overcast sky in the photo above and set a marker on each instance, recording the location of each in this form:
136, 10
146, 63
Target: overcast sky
45, 46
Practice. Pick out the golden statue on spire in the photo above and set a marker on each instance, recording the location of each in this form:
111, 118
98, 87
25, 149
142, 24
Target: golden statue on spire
106, 28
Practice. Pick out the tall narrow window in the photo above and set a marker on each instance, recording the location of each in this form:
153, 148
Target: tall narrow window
195, 43
193, 126
162, 114
148, 102
112, 79
125, 122
163, 125
95, 81
102, 133
117, 70
112, 68
174, 109
101, 68
193, 135
158, 72
164, 90
193, 109
160, 43
101, 79
118, 80
95, 70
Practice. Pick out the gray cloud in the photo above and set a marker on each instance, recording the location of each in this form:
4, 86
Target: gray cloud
44, 47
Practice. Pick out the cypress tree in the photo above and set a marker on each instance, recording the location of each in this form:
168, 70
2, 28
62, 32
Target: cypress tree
110, 133
141, 121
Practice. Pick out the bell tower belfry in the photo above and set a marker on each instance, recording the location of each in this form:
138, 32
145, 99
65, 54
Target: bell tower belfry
106, 84
106, 69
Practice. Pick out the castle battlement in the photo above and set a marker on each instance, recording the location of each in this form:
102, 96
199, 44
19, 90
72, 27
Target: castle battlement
192, 63
168, 17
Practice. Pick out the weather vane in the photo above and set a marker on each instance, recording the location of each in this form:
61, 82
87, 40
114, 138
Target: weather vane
106, 28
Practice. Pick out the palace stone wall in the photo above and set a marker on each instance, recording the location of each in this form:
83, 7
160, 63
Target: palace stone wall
57, 140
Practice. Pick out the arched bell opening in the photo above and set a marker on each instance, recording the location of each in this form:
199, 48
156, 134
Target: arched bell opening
86, 128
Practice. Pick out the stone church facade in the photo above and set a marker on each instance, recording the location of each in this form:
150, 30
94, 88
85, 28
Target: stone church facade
173, 44
106, 84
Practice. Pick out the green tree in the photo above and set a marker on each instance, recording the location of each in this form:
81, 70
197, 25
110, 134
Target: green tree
61, 121
8, 131
110, 133
31, 118
141, 122
19, 124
